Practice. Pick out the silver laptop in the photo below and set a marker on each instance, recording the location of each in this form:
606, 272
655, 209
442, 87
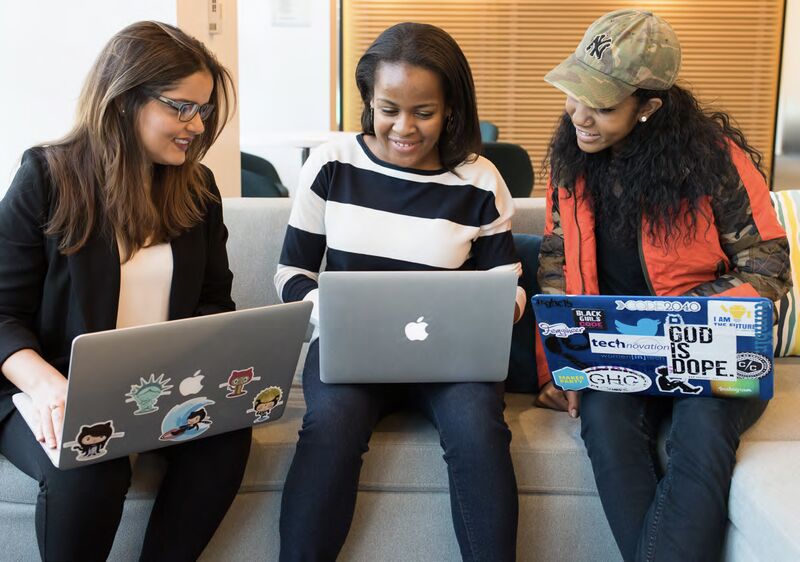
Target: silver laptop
142, 388
412, 326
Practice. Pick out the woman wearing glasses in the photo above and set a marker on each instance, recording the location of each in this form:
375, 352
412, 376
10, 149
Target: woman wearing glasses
116, 225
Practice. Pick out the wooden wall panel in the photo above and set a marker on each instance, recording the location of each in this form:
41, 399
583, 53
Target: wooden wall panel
731, 53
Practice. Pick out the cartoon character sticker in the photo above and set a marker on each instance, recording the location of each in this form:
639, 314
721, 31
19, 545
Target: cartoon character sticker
147, 392
91, 441
238, 380
186, 420
266, 401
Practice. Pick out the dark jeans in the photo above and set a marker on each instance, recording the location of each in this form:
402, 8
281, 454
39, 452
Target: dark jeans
78, 510
679, 513
320, 491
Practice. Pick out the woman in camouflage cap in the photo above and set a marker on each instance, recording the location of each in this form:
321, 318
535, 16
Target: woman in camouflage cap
651, 195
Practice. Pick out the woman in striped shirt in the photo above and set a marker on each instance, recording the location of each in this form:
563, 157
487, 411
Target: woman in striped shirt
409, 193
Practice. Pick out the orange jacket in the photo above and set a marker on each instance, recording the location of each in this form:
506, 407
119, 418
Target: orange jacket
738, 247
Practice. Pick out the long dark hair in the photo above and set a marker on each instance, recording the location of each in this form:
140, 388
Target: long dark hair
99, 168
429, 47
664, 167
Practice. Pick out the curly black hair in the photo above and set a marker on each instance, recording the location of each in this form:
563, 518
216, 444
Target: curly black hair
676, 158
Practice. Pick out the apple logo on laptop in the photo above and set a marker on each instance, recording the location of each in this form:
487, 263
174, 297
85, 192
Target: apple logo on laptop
417, 331
191, 385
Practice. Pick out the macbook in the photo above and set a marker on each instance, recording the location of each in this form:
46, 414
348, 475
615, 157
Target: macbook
413, 326
137, 389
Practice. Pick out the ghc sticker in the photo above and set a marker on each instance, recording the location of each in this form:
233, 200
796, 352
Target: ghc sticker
617, 379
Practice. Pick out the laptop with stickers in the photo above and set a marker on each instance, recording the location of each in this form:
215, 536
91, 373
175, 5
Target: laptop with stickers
142, 388
669, 346
415, 326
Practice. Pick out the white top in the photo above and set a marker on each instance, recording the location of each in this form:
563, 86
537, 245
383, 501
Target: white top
145, 281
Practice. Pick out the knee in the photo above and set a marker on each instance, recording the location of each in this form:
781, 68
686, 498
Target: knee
610, 427
106, 481
341, 428
609, 415
704, 450
478, 434
706, 436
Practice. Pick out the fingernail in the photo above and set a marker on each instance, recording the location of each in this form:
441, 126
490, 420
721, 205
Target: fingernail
573, 413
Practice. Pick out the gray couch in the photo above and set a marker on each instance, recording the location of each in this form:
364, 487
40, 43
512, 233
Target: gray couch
403, 510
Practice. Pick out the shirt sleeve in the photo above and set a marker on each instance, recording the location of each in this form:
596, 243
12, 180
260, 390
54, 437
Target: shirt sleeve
751, 237
304, 245
493, 249
23, 265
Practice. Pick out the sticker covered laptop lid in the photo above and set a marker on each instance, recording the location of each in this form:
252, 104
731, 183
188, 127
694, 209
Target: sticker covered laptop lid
672, 346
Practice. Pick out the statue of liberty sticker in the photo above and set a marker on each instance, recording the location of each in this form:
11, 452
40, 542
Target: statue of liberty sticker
147, 392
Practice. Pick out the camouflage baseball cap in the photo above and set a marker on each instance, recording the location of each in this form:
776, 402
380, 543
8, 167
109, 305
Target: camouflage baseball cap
620, 52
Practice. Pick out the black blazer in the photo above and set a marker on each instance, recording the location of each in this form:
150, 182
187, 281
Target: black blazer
47, 299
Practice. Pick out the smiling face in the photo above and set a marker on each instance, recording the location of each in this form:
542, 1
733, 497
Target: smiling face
164, 138
599, 128
408, 115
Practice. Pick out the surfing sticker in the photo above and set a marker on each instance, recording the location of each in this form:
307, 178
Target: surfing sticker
237, 381
186, 420
91, 441
266, 401
147, 392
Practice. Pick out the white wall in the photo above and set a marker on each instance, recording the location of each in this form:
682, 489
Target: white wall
46, 50
284, 79
788, 130
223, 158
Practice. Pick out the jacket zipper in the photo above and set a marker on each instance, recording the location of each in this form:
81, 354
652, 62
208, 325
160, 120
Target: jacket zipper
642, 261
580, 241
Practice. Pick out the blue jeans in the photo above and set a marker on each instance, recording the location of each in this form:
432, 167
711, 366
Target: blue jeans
679, 513
320, 491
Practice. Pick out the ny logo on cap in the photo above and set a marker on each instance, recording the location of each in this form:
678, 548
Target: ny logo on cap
598, 46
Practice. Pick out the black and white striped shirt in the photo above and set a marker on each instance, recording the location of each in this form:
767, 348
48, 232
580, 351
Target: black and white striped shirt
372, 215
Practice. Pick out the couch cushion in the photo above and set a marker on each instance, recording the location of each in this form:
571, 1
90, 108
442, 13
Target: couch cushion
764, 498
405, 454
779, 421
787, 206
256, 228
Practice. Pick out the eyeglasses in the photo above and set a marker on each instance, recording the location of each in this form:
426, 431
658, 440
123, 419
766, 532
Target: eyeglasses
186, 110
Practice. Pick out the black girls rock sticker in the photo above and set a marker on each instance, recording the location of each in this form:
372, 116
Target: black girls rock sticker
91, 441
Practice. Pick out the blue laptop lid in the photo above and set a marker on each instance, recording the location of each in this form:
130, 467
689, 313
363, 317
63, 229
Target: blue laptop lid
702, 346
